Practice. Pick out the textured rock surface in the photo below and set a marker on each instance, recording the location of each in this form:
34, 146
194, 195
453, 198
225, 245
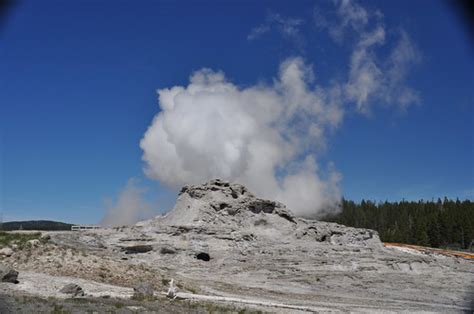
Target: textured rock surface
230, 210
143, 290
72, 289
7, 274
6, 251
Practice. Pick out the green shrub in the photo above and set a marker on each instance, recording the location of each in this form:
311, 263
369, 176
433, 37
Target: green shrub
20, 239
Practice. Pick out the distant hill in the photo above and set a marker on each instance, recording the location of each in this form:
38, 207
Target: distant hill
46, 225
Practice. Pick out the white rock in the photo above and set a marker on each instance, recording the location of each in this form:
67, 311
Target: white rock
6, 251
34, 242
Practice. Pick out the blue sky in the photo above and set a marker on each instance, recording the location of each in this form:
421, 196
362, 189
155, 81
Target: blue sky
79, 80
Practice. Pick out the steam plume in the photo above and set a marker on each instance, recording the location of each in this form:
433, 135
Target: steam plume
269, 137
261, 136
129, 208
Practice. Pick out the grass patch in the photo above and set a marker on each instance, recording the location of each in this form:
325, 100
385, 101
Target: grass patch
20, 239
141, 297
119, 305
59, 309
214, 308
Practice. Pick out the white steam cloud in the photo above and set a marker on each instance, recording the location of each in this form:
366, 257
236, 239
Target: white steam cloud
372, 78
129, 207
261, 136
269, 137
289, 28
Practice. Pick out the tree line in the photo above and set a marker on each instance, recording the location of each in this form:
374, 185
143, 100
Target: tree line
45, 225
441, 224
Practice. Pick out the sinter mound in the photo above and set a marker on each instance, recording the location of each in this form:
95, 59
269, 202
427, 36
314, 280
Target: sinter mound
222, 206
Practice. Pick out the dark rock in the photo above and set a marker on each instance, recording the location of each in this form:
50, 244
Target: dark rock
219, 182
248, 237
140, 239
134, 249
196, 192
286, 215
72, 289
259, 205
260, 222
223, 205
203, 256
184, 189
8, 274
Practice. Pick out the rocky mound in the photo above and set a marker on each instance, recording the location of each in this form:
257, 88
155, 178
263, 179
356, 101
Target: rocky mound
220, 206
220, 201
